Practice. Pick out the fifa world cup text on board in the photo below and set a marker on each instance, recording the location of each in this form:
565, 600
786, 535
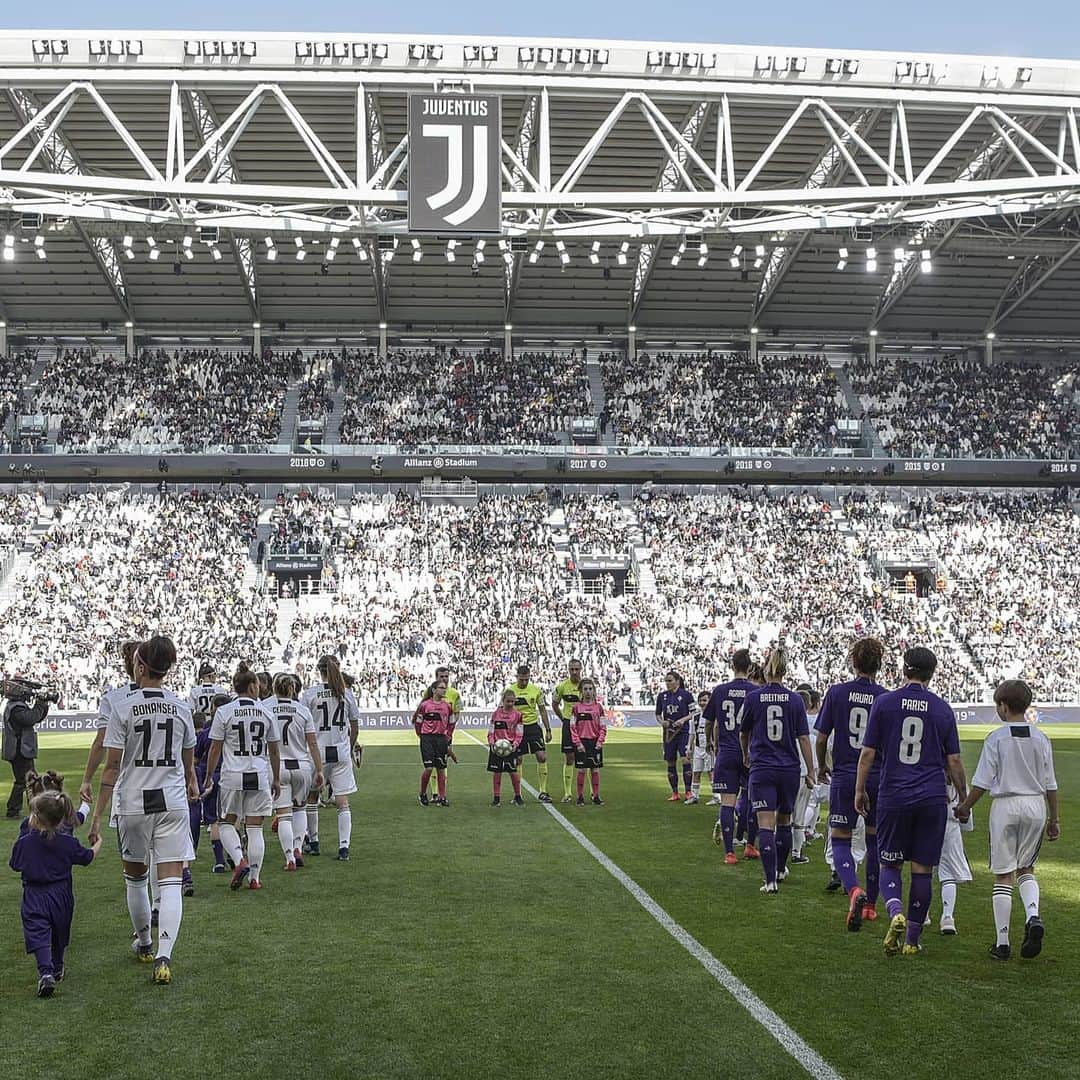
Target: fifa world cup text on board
439, 106
307, 463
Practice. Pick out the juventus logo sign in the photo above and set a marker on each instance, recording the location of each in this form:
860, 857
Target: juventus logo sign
454, 153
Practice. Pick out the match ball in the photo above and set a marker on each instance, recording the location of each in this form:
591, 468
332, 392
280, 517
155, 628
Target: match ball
503, 747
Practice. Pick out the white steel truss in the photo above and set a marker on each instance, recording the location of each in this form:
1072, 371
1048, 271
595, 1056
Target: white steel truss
523, 155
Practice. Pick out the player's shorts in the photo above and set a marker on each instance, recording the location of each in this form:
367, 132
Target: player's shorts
210, 804
728, 775
842, 812
245, 804
802, 801
498, 764
296, 780
165, 837
678, 746
701, 761
1017, 823
533, 742
774, 789
590, 756
953, 865
566, 743
434, 750
912, 834
337, 770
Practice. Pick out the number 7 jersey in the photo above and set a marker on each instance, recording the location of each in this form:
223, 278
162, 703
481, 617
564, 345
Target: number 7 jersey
152, 728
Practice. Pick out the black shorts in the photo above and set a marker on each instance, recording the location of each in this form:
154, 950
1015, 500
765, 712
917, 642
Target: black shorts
533, 742
434, 750
567, 742
590, 756
498, 764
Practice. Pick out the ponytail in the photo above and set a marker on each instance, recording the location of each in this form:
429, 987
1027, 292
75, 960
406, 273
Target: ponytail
776, 665
245, 680
285, 685
330, 670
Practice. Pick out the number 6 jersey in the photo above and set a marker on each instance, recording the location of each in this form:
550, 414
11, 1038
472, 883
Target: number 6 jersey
152, 728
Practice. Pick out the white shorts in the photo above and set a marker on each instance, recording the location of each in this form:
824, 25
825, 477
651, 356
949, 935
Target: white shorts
295, 785
340, 777
1017, 824
244, 804
802, 801
953, 865
164, 837
701, 761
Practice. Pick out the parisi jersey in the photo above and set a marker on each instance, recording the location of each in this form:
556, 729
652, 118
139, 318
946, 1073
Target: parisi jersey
245, 729
332, 715
295, 723
152, 728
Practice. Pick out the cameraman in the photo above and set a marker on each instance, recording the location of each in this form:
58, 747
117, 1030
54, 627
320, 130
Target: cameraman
20, 739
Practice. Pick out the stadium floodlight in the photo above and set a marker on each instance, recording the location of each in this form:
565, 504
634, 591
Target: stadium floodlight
502, 245
763, 63
417, 52
873, 333
736, 250
583, 56
673, 59
759, 250
526, 54
691, 59
382, 326
40, 252
990, 73
758, 263
256, 326
565, 56
322, 49
268, 241
925, 265
903, 69
545, 55
301, 254
59, 46
796, 63
851, 67
472, 53
230, 48
134, 48
9, 240
9, 254
360, 50
380, 50
335, 243
620, 258
990, 335
508, 326
1023, 75
632, 328
753, 329
871, 266
600, 56
211, 48
654, 58
194, 48
187, 241
215, 253
834, 66
127, 252
923, 70
97, 46
489, 53
899, 254
155, 254
298, 241
843, 253
560, 246
841, 264
189, 254
128, 241
41, 45
330, 256
417, 255
248, 48
271, 254
340, 49
434, 52
733, 262
871, 253
128, 324
564, 258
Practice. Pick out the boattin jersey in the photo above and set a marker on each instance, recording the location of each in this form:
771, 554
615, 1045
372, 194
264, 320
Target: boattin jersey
333, 717
673, 705
569, 694
436, 718
587, 722
725, 711
505, 724
527, 701
201, 698
152, 728
913, 732
294, 723
775, 717
846, 711
245, 729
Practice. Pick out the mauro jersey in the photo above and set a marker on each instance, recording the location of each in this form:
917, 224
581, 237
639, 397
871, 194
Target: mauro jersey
295, 723
725, 710
913, 732
846, 711
775, 717
152, 728
245, 729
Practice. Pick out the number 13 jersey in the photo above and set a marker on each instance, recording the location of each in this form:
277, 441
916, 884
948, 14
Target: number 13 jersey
245, 729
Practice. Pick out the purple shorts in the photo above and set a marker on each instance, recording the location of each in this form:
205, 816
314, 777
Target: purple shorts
914, 834
842, 812
774, 789
678, 746
728, 775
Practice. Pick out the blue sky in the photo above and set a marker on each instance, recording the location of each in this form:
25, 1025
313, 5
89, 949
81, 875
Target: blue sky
1051, 29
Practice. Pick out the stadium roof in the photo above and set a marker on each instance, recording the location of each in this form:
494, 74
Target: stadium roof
696, 188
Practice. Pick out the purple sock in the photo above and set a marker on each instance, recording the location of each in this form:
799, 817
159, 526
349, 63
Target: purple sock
673, 778
727, 827
687, 777
783, 847
892, 888
751, 828
742, 807
918, 906
43, 956
767, 847
219, 853
185, 876
195, 823
844, 863
873, 868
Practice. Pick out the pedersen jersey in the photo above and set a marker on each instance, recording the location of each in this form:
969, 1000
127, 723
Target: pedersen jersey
913, 732
775, 717
333, 716
152, 728
725, 710
846, 711
295, 723
569, 694
201, 698
245, 729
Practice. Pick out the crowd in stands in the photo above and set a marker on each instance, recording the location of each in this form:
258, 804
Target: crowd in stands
13, 372
959, 406
103, 401
451, 397
598, 523
303, 524
116, 565
722, 400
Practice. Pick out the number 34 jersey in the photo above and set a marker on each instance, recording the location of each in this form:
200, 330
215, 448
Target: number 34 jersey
245, 730
846, 711
152, 728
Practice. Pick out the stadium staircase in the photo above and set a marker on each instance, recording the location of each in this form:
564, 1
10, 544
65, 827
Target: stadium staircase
869, 433
640, 554
333, 421
12, 569
599, 398
289, 413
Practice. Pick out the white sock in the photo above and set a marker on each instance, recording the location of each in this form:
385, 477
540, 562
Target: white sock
230, 841
1029, 895
299, 826
155, 888
798, 838
285, 834
1002, 900
313, 823
256, 850
695, 788
948, 898
344, 827
170, 914
138, 902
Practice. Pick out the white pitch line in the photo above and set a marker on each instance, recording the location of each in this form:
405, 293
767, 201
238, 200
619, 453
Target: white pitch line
774, 1024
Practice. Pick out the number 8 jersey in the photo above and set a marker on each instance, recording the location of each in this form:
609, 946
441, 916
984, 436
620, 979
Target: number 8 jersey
152, 728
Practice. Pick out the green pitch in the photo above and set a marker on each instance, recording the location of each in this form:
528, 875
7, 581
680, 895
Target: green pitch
475, 942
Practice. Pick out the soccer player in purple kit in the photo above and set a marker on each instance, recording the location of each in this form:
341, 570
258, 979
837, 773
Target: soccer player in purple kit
774, 733
722, 715
913, 732
845, 712
673, 707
